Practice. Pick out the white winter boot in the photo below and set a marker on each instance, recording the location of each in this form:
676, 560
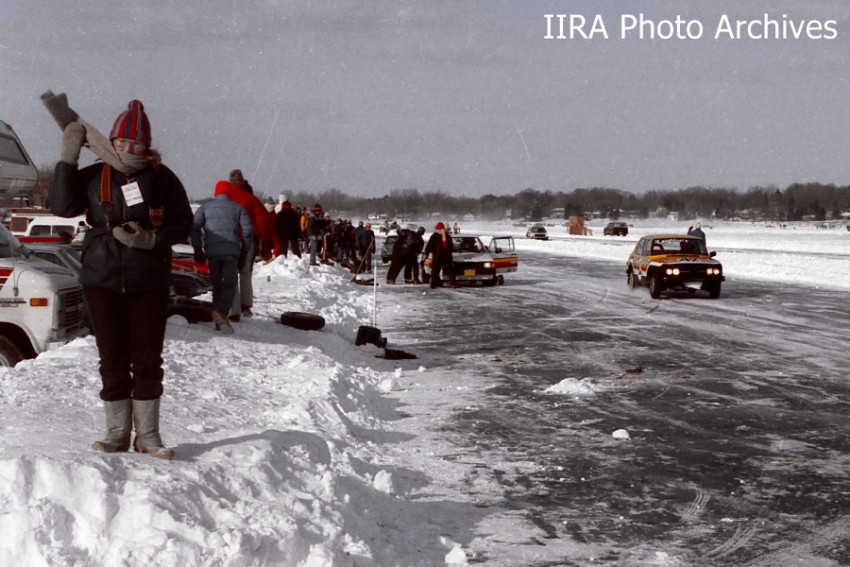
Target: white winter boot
146, 420
119, 426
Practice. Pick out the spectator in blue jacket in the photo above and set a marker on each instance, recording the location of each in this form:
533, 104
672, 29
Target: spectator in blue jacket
697, 231
222, 235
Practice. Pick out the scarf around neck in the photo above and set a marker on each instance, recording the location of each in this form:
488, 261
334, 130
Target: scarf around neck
127, 164
99, 144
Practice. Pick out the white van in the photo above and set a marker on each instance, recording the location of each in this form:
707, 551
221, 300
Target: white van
41, 222
41, 305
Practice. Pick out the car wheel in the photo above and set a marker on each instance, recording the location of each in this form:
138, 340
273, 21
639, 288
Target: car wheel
194, 310
714, 290
500, 279
632, 280
10, 353
655, 286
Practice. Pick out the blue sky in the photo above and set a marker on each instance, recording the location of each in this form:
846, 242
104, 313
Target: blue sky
462, 97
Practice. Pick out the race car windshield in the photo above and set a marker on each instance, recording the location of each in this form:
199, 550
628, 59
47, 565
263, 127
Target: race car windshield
679, 246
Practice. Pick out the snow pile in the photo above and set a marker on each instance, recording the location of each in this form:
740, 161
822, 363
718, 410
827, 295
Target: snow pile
277, 433
573, 387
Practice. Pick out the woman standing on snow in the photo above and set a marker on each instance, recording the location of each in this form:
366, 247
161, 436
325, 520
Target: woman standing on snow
137, 209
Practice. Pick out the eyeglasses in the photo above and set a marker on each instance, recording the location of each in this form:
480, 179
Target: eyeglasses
129, 146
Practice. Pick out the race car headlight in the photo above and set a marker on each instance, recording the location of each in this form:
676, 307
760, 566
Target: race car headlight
713, 271
488, 265
672, 271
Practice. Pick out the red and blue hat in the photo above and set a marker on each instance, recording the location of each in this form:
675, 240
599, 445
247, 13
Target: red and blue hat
133, 124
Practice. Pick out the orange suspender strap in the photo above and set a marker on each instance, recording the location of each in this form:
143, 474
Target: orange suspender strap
106, 192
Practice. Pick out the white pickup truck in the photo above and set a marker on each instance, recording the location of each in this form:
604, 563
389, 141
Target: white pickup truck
41, 305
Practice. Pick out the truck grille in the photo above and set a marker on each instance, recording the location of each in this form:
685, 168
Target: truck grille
691, 269
70, 310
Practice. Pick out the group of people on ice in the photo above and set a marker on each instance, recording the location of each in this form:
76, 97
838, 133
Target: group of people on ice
410, 251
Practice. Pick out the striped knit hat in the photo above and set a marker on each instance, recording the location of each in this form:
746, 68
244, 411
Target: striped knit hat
133, 124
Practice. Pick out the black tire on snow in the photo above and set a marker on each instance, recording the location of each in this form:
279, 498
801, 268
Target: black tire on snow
655, 286
10, 353
714, 290
194, 310
302, 321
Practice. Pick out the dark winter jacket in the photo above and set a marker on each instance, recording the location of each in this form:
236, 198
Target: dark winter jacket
223, 227
365, 240
400, 246
441, 254
288, 224
413, 243
315, 227
697, 232
107, 263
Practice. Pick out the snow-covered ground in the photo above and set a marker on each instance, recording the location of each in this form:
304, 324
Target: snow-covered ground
291, 446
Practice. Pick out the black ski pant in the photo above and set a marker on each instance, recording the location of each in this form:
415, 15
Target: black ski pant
445, 266
129, 329
289, 243
411, 267
396, 264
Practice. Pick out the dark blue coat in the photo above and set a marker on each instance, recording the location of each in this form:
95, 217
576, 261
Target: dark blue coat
106, 262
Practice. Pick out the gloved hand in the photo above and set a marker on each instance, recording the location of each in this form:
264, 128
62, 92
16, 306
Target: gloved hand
57, 106
243, 258
200, 257
72, 142
134, 235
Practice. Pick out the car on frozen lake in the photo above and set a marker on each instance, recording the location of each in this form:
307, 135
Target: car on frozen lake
667, 262
617, 228
537, 232
477, 263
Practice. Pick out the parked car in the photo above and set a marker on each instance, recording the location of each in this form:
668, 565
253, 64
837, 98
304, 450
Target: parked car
616, 229
537, 232
186, 281
387, 248
674, 262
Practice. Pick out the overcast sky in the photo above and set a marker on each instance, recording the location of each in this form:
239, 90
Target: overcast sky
465, 97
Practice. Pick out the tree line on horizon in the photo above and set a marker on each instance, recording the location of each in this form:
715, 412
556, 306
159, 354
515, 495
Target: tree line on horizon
798, 201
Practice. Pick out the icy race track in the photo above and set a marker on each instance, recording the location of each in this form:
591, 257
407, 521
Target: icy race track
737, 411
